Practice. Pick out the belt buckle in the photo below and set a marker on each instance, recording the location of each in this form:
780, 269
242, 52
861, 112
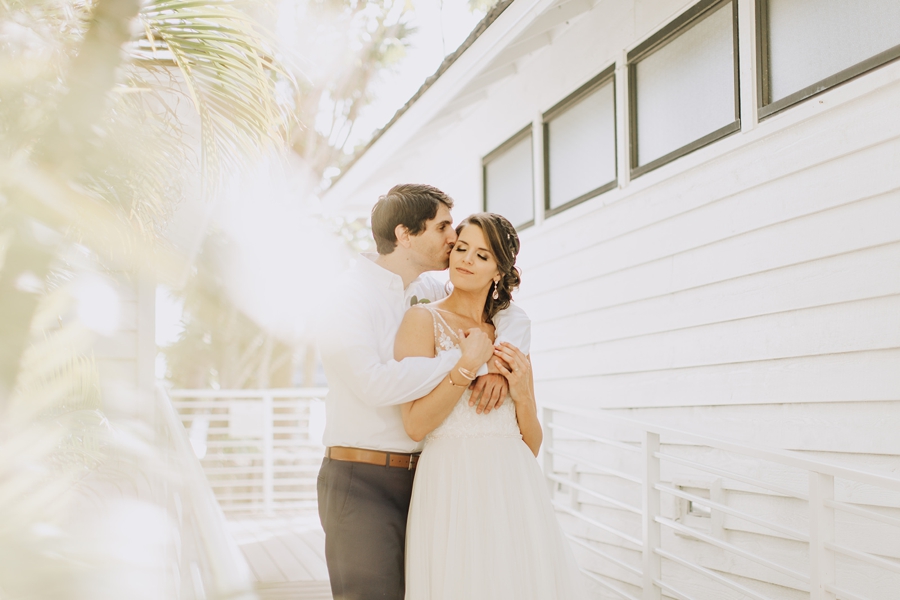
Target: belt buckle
412, 462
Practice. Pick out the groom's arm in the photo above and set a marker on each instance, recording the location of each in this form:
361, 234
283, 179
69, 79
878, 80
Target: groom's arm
511, 325
348, 343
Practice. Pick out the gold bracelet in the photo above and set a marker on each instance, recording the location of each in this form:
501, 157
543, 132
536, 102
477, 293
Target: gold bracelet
450, 379
467, 374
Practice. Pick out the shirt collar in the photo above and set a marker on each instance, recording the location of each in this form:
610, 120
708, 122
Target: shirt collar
384, 278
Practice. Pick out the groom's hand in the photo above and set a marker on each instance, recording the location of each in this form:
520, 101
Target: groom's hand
488, 392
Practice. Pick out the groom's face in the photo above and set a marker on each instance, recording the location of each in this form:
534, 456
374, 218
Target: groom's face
432, 246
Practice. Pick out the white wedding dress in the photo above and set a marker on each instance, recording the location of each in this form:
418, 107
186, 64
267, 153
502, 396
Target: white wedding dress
481, 525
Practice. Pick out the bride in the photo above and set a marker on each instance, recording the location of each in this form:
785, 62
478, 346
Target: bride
481, 525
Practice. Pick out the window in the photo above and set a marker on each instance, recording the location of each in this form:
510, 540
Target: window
683, 85
580, 144
807, 46
509, 180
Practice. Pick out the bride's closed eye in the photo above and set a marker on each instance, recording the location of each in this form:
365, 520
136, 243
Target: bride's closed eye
463, 249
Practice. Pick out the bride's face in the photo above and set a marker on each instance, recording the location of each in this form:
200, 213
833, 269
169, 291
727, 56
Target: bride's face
472, 265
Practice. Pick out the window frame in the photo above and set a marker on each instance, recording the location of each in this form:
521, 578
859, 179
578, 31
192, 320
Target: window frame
525, 132
679, 25
765, 106
605, 76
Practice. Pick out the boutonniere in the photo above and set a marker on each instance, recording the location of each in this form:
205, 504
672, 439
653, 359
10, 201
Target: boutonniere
415, 300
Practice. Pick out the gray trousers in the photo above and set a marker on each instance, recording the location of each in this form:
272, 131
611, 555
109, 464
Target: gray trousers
363, 510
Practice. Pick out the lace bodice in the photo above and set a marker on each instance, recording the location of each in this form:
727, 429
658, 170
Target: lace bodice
464, 422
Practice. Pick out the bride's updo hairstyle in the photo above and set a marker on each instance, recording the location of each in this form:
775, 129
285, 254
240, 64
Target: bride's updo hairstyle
504, 245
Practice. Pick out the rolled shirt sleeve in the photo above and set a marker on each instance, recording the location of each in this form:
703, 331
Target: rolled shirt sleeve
353, 337
348, 341
513, 326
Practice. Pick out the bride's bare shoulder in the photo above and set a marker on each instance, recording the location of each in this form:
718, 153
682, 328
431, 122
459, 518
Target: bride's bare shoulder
416, 334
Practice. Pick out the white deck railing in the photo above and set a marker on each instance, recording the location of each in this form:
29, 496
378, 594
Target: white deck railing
261, 449
599, 480
207, 564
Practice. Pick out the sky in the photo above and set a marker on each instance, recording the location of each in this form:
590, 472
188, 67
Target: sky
442, 25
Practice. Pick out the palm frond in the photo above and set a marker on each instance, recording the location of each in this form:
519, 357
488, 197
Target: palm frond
57, 372
229, 70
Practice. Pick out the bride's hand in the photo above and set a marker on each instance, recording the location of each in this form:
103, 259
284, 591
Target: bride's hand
517, 369
476, 347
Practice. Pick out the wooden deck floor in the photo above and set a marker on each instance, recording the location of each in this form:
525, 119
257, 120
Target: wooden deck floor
286, 555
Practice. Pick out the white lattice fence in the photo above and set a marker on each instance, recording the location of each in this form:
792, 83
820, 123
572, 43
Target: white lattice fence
260, 449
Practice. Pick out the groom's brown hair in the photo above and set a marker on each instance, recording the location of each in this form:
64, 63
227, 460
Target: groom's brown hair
407, 204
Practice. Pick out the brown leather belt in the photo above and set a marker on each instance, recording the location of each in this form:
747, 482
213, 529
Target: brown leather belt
373, 457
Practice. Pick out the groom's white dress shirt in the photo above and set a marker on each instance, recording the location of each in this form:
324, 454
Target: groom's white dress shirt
356, 342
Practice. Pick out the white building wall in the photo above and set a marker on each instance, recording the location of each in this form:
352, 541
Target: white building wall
749, 290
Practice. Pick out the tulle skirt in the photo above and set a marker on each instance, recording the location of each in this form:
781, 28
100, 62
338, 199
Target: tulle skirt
481, 526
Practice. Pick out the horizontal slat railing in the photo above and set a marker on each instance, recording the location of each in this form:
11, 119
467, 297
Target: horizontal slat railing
563, 433
595, 438
598, 468
602, 497
792, 533
602, 526
778, 489
711, 574
606, 556
863, 512
261, 449
210, 566
733, 549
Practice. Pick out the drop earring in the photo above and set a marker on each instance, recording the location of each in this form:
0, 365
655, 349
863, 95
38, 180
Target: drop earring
496, 294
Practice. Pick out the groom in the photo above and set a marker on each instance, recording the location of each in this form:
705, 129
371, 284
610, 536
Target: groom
365, 482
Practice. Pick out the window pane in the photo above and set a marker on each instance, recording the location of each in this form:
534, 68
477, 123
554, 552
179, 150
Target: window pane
810, 40
582, 143
685, 90
510, 185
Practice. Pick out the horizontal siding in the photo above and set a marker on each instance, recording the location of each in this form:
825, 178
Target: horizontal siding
859, 428
845, 377
817, 331
851, 276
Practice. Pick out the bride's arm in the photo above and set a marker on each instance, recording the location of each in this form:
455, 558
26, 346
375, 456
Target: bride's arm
521, 389
416, 338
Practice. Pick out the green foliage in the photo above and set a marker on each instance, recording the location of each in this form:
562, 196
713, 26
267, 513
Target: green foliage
229, 72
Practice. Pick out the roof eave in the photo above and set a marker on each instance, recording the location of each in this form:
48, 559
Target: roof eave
499, 28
